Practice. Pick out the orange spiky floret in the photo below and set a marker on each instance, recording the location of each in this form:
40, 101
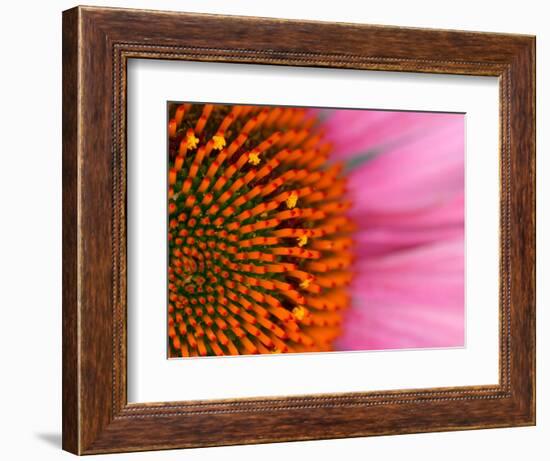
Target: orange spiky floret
259, 243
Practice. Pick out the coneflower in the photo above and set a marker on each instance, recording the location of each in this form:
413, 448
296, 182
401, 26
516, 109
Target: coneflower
259, 241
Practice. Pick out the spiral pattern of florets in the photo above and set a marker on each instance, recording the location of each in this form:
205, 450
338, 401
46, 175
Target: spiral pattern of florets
259, 240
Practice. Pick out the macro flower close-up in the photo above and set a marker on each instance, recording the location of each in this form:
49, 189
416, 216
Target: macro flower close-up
313, 230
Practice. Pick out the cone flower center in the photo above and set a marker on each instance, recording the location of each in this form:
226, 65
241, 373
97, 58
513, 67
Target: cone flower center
260, 246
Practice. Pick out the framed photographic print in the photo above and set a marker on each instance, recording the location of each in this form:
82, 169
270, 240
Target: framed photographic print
281, 230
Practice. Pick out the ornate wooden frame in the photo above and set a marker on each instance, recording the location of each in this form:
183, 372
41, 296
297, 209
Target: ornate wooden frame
97, 43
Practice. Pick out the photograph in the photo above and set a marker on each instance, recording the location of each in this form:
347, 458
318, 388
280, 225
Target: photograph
280, 226
302, 229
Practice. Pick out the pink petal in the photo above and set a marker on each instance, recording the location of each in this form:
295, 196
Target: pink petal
408, 299
408, 205
422, 173
380, 232
359, 131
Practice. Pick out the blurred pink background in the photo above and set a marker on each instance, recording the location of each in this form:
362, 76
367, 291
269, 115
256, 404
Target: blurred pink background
406, 184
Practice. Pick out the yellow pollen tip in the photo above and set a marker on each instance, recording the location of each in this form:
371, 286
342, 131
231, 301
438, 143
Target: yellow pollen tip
192, 141
276, 351
305, 283
219, 142
264, 214
254, 158
302, 240
292, 200
299, 312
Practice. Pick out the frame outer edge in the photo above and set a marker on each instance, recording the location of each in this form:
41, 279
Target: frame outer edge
522, 240
533, 54
91, 422
533, 211
70, 190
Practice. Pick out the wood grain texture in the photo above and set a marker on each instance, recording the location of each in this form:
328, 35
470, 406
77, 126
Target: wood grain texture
97, 43
70, 390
